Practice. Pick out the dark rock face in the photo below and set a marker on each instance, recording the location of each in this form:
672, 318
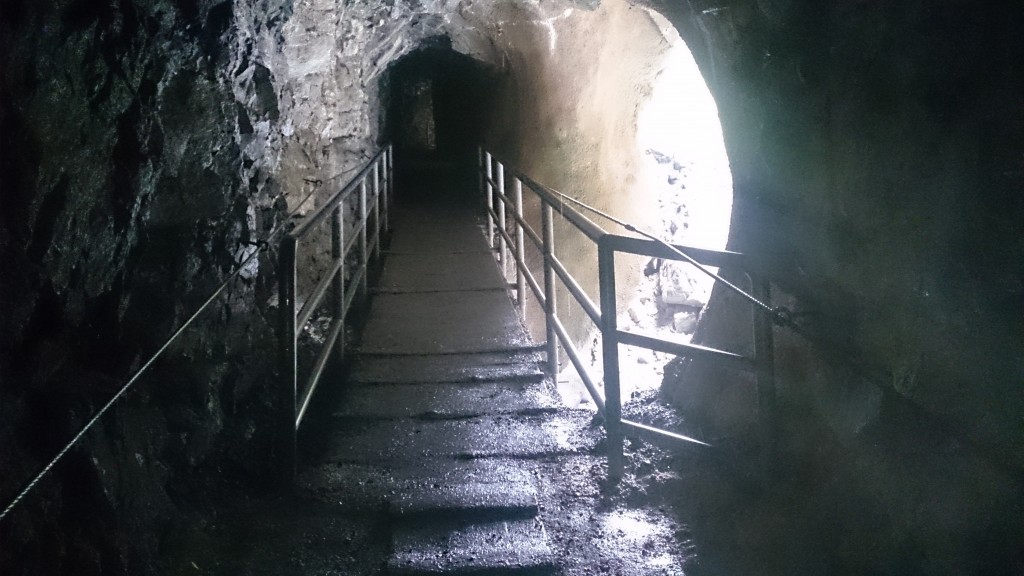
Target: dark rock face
145, 145
123, 208
877, 168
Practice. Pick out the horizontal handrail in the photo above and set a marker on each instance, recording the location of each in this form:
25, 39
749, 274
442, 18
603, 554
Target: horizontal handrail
310, 221
318, 293
369, 192
493, 174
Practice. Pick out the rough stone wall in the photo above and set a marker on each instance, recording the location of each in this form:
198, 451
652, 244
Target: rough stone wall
147, 146
574, 77
876, 154
123, 208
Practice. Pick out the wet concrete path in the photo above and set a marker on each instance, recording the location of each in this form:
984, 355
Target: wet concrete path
446, 409
444, 450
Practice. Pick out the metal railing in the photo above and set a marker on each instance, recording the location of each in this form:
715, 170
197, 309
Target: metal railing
370, 193
505, 209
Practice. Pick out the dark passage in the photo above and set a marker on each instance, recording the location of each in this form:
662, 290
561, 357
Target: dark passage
436, 115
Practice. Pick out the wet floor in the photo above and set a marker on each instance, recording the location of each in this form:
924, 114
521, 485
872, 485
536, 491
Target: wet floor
448, 451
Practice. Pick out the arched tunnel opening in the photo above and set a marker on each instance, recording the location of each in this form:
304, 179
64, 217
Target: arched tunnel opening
154, 154
437, 101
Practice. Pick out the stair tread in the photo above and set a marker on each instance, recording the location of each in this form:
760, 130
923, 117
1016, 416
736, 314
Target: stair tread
504, 547
513, 366
466, 499
449, 400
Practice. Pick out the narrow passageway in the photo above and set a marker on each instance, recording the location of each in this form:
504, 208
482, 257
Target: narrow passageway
444, 449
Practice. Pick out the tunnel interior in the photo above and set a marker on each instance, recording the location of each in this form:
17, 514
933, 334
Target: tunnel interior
876, 155
436, 105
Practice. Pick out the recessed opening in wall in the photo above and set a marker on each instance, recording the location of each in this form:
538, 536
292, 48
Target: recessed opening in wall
683, 160
437, 106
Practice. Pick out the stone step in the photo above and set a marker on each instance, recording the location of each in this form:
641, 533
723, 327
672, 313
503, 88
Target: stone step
373, 488
442, 323
408, 440
463, 271
443, 401
505, 547
511, 366
474, 500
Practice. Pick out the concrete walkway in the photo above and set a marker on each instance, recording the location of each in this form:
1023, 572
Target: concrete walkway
447, 408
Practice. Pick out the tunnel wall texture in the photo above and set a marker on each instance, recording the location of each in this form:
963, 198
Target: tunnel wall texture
146, 144
877, 161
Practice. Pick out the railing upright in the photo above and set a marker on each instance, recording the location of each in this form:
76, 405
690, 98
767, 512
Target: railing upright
376, 208
502, 245
610, 355
287, 393
517, 198
764, 366
364, 251
338, 284
489, 193
386, 206
291, 400
550, 302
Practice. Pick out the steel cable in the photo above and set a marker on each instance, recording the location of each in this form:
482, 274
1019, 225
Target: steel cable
261, 245
780, 314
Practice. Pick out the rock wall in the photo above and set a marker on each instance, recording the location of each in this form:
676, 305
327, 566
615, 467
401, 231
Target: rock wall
876, 155
147, 147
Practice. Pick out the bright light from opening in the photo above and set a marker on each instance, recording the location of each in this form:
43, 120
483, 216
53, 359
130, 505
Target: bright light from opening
680, 132
679, 136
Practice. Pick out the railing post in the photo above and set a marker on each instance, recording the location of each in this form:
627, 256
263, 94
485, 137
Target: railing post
764, 359
386, 170
376, 209
517, 198
338, 284
610, 353
391, 183
285, 398
480, 176
489, 193
502, 245
550, 302
364, 255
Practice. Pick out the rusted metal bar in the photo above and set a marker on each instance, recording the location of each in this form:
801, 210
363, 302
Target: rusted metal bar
285, 397
610, 354
550, 303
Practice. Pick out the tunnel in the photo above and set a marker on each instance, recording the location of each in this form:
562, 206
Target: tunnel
869, 161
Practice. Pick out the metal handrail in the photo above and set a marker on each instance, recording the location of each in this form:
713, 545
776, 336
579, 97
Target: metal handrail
371, 191
609, 403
